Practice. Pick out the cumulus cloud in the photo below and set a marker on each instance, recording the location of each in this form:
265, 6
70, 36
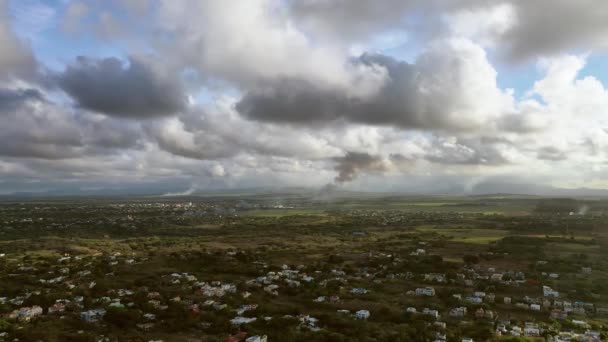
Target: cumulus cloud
451, 86
484, 24
173, 137
353, 21
35, 127
140, 89
246, 42
265, 92
547, 28
519, 29
222, 133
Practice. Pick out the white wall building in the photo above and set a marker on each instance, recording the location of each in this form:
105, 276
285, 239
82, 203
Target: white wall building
362, 314
425, 291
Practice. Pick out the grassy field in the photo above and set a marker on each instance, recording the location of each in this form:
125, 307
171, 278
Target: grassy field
467, 235
284, 212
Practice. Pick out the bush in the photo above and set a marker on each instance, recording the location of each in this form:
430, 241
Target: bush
470, 259
121, 318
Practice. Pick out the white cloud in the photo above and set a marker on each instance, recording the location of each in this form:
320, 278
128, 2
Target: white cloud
442, 117
485, 25
253, 41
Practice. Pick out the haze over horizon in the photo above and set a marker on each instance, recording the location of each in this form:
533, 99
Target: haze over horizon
461, 96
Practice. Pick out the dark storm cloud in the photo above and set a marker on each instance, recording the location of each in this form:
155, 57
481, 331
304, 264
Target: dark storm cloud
413, 96
137, 90
353, 163
293, 101
302, 102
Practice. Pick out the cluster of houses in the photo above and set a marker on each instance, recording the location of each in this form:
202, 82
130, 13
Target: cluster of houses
549, 301
76, 278
25, 314
75, 275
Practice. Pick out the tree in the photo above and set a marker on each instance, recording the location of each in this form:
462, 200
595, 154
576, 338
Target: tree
470, 259
121, 318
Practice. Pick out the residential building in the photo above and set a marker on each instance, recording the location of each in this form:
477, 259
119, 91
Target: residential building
362, 314
425, 291
92, 315
549, 292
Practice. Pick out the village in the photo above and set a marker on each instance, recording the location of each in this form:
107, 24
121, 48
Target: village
154, 289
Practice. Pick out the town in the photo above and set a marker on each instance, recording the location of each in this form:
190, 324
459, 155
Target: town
301, 269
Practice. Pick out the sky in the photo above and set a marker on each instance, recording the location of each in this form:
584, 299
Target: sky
183, 96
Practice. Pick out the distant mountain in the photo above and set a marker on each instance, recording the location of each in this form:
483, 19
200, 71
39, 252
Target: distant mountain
535, 190
483, 189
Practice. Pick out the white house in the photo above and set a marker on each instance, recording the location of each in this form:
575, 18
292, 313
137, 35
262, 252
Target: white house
437, 277
496, 277
150, 316
242, 320
362, 314
92, 315
458, 312
430, 312
359, 290
418, 251
27, 313
516, 331
531, 332
474, 300
549, 292
57, 307
425, 291
439, 324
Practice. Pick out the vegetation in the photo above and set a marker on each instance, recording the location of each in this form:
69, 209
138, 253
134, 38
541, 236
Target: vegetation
157, 266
